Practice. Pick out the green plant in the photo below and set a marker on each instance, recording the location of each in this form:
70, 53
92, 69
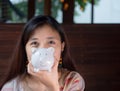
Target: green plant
83, 3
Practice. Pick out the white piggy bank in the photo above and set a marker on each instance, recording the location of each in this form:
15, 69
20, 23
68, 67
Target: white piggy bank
42, 58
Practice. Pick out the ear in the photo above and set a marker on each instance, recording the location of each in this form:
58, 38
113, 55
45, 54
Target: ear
62, 46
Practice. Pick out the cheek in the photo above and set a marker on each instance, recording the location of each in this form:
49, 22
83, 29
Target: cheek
57, 54
28, 52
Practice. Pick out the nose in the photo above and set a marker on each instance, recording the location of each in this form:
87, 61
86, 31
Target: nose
43, 45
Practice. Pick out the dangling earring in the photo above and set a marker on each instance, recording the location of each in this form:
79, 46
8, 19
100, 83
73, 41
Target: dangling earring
60, 63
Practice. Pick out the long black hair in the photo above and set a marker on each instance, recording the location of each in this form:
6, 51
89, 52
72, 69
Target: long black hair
19, 57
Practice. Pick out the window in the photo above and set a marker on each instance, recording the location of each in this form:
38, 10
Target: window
103, 11
13, 11
39, 7
56, 10
107, 11
82, 16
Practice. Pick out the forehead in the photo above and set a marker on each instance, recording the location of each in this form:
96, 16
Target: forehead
45, 31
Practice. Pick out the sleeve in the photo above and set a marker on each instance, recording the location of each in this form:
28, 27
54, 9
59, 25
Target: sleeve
11, 86
8, 86
74, 82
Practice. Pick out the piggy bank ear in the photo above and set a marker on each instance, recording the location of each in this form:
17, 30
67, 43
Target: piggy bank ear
51, 49
33, 50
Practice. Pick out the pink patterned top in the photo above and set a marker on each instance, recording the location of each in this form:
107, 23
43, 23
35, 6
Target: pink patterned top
69, 81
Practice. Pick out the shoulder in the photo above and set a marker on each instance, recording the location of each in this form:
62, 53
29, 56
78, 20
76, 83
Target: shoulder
10, 86
73, 81
74, 77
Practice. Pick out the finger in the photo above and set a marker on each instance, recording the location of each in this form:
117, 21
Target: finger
30, 68
35, 72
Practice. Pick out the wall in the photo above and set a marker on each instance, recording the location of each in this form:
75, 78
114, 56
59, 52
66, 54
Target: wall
95, 48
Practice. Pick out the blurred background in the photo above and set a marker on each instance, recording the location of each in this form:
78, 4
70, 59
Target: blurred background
101, 11
93, 29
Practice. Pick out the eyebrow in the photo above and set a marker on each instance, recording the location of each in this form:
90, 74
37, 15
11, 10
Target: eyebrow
31, 39
51, 38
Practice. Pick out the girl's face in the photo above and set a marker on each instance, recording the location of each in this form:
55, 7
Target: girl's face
44, 37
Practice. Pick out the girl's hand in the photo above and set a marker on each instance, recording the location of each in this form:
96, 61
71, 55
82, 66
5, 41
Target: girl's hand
49, 79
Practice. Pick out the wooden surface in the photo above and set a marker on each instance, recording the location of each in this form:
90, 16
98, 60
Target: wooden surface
95, 48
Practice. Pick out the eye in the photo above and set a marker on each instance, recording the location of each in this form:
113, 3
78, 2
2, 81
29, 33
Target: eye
34, 43
51, 42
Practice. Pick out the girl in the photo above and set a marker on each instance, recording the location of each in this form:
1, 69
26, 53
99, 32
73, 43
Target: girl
42, 32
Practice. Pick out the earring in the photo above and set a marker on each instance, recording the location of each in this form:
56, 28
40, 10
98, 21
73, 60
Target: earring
60, 63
